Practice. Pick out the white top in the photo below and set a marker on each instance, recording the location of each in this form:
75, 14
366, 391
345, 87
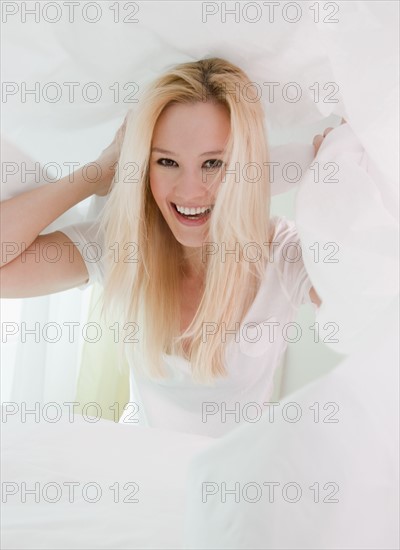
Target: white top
178, 403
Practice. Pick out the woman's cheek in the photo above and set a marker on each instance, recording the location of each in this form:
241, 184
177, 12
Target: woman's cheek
153, 181
158, 187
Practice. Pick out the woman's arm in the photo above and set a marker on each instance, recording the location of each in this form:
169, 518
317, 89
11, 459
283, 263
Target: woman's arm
26, 215
26, 270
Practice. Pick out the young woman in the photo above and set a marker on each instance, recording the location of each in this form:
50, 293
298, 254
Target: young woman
189, 253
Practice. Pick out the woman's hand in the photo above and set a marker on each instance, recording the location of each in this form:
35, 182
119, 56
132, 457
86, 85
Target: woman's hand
318, 139
107, 161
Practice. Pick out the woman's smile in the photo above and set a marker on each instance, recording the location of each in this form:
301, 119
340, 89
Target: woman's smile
192, 216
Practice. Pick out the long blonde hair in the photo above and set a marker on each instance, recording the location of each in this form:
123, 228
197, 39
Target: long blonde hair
145, 293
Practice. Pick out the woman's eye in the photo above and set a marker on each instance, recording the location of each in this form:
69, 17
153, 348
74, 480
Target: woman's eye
214, 163
209, 164
166, 162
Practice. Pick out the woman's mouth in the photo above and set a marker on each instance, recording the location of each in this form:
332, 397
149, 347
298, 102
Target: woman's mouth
192, 215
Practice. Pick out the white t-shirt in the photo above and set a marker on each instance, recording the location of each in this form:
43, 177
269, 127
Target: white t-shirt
179, 403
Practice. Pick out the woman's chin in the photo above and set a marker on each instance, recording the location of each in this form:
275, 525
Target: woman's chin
190, 242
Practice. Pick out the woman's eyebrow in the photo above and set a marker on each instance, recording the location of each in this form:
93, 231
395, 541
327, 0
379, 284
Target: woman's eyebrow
164, 151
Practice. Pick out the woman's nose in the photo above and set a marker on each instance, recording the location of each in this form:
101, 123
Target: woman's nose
191, 183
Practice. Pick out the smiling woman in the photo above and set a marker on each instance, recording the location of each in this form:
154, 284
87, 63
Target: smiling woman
201, 303
182, 138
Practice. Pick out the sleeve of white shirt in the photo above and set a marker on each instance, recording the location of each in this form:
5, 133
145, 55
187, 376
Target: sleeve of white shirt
89, 241
288, 259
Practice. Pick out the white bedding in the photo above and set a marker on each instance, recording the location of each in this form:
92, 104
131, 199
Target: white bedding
104, 453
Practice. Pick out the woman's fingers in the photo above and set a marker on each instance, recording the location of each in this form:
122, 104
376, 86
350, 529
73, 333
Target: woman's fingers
318, 139
317, 142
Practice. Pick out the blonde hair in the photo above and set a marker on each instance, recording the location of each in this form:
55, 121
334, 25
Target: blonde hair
146, 292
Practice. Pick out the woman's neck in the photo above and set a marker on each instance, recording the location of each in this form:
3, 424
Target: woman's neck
194, 267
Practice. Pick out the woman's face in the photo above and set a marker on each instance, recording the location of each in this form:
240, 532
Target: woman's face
188, 145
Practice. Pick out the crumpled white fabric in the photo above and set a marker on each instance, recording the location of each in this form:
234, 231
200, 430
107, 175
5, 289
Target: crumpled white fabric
347, 450
347, 212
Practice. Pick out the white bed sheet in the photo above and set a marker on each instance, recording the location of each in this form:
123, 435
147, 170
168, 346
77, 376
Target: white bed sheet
105, 453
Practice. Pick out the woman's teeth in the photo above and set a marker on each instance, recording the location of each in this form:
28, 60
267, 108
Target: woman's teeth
193, 213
